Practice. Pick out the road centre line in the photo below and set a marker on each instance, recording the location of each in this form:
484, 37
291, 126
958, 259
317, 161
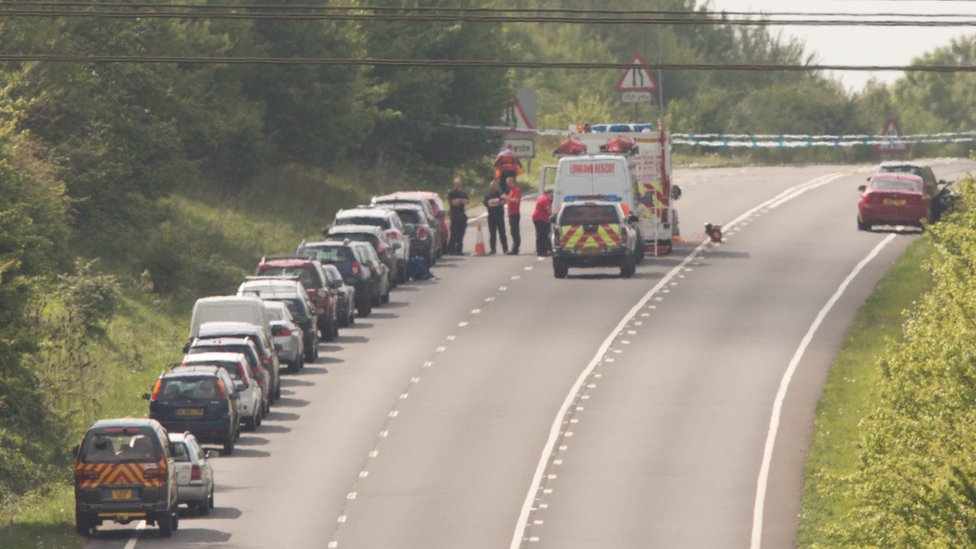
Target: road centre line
555, 430
763, 479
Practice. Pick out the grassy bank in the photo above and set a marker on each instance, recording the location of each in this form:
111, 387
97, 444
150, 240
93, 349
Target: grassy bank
851, 393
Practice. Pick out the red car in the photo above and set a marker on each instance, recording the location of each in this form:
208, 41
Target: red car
893, 199
316, 283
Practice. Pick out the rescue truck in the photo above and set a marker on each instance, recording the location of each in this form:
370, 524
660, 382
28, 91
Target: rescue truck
594, 231
630, 161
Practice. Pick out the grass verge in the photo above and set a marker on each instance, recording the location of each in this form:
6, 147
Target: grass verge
851, 394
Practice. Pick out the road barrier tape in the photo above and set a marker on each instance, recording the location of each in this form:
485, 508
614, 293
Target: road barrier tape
768, 141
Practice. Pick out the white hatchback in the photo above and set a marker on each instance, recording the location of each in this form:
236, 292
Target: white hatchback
194, 474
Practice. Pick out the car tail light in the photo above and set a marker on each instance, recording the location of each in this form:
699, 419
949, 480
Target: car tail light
391, 234
422, 233
156, 387
86, 474
285, 331
155, 473
195, 473
222, 389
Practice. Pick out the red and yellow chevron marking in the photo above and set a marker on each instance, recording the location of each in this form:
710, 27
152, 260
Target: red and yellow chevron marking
606, 235
118, 473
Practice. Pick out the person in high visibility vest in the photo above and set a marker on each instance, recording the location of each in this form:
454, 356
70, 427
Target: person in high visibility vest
507, 164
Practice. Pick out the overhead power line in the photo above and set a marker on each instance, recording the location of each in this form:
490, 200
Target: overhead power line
467, 63
682, 19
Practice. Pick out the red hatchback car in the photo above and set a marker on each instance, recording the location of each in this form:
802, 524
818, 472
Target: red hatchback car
893, 199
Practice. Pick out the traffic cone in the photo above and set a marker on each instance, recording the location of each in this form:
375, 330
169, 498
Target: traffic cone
479, 243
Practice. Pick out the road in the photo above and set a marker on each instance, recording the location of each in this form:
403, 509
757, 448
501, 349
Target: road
496, 406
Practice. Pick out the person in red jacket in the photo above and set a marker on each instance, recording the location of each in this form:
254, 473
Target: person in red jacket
514, 200
507, 164
541, 219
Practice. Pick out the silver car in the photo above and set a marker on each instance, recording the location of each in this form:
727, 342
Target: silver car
194, 474
287, 335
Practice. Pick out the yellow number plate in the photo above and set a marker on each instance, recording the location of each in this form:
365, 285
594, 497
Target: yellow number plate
189, 412
894, 202
121, 494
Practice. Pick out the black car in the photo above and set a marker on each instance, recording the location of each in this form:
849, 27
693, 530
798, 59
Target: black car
347, 259
198, 399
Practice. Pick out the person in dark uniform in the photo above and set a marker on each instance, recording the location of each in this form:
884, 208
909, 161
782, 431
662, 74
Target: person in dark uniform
457, 199
495, 203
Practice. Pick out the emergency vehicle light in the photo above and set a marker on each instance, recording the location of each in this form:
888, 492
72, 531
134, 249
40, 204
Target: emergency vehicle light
609, 197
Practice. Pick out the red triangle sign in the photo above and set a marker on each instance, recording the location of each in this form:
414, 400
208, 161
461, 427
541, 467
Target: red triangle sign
893, 140
637, 78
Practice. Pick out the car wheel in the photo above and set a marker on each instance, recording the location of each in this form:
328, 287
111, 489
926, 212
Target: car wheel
210, 500
559, 268
229, 445
259, 417
203, 508
293, 367
83, 526
402, 275
862, 226
176, 518
385, 298
165, 523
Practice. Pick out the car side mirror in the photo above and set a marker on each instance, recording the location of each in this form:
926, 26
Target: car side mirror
239, 385
75, 449
211, 453
276, 330
235, 396
396, 244
632, 218
675, 192
279, 347
862, 188
552, 220
146, 396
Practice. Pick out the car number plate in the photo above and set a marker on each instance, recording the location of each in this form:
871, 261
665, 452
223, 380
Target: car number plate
894, 201
121, 494
591, 250
189, 412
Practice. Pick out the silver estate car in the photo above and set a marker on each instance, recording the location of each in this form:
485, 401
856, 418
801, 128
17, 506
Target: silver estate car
194, 474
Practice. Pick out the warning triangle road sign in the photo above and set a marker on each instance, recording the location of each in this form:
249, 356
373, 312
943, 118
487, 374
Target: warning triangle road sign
637, 78
893, 140
516, 119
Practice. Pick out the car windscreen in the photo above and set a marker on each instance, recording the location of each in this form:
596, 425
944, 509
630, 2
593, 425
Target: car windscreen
581, 215
896, 185
304, 274
121, 444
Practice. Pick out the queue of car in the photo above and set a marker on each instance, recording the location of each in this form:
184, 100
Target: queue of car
230, 376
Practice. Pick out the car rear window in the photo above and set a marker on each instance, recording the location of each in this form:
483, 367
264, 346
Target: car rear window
355, 237
202, 388
181, 454
364, 220
578, 215
409, 216
881, 184
229, 366
304, 273
331, 253
115, 445
246, 350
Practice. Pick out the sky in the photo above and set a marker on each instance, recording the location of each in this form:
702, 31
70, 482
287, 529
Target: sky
855, 45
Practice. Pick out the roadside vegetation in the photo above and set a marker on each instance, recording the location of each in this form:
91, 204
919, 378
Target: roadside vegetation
129, 190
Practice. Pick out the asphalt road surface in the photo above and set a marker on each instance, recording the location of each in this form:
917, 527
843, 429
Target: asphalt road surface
496, 406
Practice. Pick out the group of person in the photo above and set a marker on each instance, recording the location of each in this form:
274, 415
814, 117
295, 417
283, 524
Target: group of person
503, 195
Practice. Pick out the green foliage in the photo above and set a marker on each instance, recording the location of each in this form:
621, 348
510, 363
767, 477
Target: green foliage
90, 298
914, 486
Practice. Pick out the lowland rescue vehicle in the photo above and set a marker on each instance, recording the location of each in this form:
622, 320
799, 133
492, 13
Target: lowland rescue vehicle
594, 231
629, 161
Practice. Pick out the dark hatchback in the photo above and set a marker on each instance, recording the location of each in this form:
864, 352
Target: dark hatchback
198, 399
347, 259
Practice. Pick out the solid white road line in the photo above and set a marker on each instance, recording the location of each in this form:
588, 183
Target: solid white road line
784, 384
554, 432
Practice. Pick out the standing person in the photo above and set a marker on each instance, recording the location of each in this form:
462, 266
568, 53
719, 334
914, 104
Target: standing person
507, 164
540, 218
495, 202
457, 198
514, 200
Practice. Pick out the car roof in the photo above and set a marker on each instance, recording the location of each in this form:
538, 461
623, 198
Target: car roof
897, 175
214, 355
339, 229
125, 422
296, 261
221, 341
194, 370
575, 203
228, 298
225, 326
364, 211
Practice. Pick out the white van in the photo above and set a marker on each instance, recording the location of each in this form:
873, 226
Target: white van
612, 176
247, 309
